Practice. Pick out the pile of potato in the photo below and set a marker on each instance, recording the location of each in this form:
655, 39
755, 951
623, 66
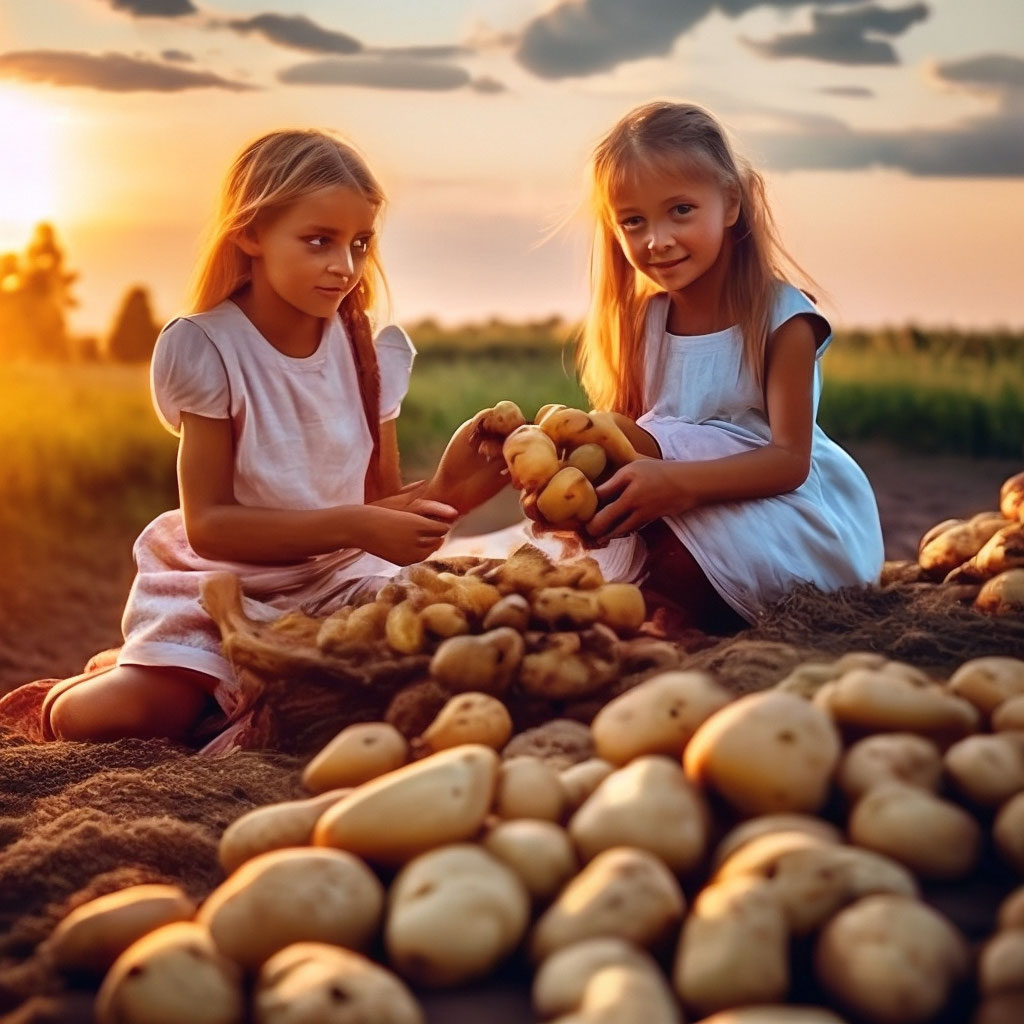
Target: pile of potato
556, 461
804, 817
987, 548
549, 631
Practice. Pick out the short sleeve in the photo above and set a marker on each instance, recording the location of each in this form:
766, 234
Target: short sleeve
791, 302
395, 355
187, 374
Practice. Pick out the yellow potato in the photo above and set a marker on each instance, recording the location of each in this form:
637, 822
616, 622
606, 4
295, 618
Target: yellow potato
470, 718
575, 427
568, 497
590, 459
358, 753
502, 419
487, 662
531, 457
1011, 497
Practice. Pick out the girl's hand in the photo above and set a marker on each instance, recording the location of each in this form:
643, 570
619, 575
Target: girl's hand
470, 470
408, 499
402, 537
637, 494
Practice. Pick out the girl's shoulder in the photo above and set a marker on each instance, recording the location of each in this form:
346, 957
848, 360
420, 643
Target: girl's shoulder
790, 301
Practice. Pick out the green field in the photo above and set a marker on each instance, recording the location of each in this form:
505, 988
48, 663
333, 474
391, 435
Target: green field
81, 440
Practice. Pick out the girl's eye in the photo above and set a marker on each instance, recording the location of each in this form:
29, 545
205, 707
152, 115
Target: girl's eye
318, 241
361, 246
630, 222
682, 209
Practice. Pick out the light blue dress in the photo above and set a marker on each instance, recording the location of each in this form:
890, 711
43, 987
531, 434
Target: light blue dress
703, 403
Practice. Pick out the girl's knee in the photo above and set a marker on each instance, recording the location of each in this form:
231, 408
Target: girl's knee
128, 702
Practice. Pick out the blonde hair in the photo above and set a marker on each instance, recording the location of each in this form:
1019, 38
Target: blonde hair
269, 174
684, 138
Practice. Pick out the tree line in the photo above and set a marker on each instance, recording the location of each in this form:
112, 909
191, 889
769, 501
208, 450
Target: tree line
36, 297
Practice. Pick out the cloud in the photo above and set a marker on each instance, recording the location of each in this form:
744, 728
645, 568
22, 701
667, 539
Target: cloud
991, 71
178, 56
384, 73
486, 84
846, 37
296, 32
424, 52
109, 72
154, 8
980, 147
582, 37
855, 92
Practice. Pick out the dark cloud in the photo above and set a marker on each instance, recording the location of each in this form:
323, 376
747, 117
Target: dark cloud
109, 72
296, 32
177, 56
424, 52
847, 37
582, 37
855, 92
992, 71
486, 84
982, 147
378, 73
154, 8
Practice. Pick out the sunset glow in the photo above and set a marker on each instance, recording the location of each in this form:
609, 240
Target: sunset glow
29, 167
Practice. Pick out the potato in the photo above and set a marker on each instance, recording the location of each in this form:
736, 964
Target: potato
442, 799
881, 700
487, 662
539, 852
294, 895
1001, 963
1004, 550
987, 769
573, 427
622, 892
621, 606
734, 947
403, 629
1004, 1008
812, 882
93, 935
581, 779
174, 973
890, 959
884, 757
454, 914
810, 676
619, 994
765, 752
531, 457
933, 837
565, 607
1003, 594
562, 979
358, 753
568, 498
502, 418
444, 619
1009, 716
316, 983
1011, 910
350, 627
1008, 832
273, 827
513, 611
528, 788
774, 1015
953, 546
1011, 497
590, 459
568, 666
658, 716
650, 805
987, 682
753, 829
469, 718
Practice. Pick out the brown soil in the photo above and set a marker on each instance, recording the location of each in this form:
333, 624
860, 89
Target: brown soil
79, 820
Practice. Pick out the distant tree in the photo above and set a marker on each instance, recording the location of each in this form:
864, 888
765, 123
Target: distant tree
133, 335
46, 292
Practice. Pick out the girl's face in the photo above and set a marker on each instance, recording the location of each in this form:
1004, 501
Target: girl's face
313, 252
672, 225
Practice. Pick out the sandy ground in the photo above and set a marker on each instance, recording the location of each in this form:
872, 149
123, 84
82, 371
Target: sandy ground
62, 598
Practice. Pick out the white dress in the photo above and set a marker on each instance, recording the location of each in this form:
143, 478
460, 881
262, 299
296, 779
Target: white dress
301, 442
703, 403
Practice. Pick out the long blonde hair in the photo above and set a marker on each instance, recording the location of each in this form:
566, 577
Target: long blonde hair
681, 137
270, 173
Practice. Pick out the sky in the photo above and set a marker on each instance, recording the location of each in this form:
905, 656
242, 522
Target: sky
891, 137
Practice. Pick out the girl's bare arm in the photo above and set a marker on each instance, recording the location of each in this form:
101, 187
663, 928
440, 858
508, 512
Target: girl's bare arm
219, 528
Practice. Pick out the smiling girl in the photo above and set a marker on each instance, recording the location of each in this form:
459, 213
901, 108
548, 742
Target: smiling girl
710, 357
